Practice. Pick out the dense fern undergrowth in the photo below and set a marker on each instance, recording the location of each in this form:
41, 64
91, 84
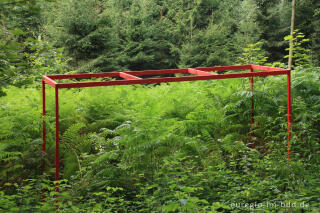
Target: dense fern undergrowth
178, 147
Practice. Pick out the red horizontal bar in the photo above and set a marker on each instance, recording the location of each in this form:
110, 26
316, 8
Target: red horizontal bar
169, 79
49, 81
129, 77
117, 74
198, 72
223, 68
265, 68
86, 75
147, 72
157, 72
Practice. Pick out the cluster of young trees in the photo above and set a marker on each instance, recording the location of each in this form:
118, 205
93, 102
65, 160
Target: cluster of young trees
109, 35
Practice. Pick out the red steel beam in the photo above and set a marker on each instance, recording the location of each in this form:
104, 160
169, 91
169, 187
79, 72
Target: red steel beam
43, 119
117, 74
86, 75
43, 132
50, 78
198, 72
252, 106
252, 99
224, 68
289, 111
49, 81
168, 79
128, 76
265, 68
57, 136
157, 72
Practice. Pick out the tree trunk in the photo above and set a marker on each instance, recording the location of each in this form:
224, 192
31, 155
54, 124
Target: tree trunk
291, 33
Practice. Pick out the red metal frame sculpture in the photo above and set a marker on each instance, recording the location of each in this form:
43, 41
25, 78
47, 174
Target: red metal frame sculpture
132, 77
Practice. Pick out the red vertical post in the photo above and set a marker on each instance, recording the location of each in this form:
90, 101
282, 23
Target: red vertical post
43, 130
43, 120
252, 99
252, 106
289, 110
57, 135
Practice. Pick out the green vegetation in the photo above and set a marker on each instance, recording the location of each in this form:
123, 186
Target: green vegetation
178, 147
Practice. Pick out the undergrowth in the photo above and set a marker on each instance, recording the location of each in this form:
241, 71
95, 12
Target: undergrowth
180, 147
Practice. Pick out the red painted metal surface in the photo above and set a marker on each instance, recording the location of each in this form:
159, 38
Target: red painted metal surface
224, 68
43, 131
131, 78
117, 74
265, 68
128, 76
252, 99
167, 79
289, 111
57, 135
252, 106
43, 119
49, 81
198, 72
